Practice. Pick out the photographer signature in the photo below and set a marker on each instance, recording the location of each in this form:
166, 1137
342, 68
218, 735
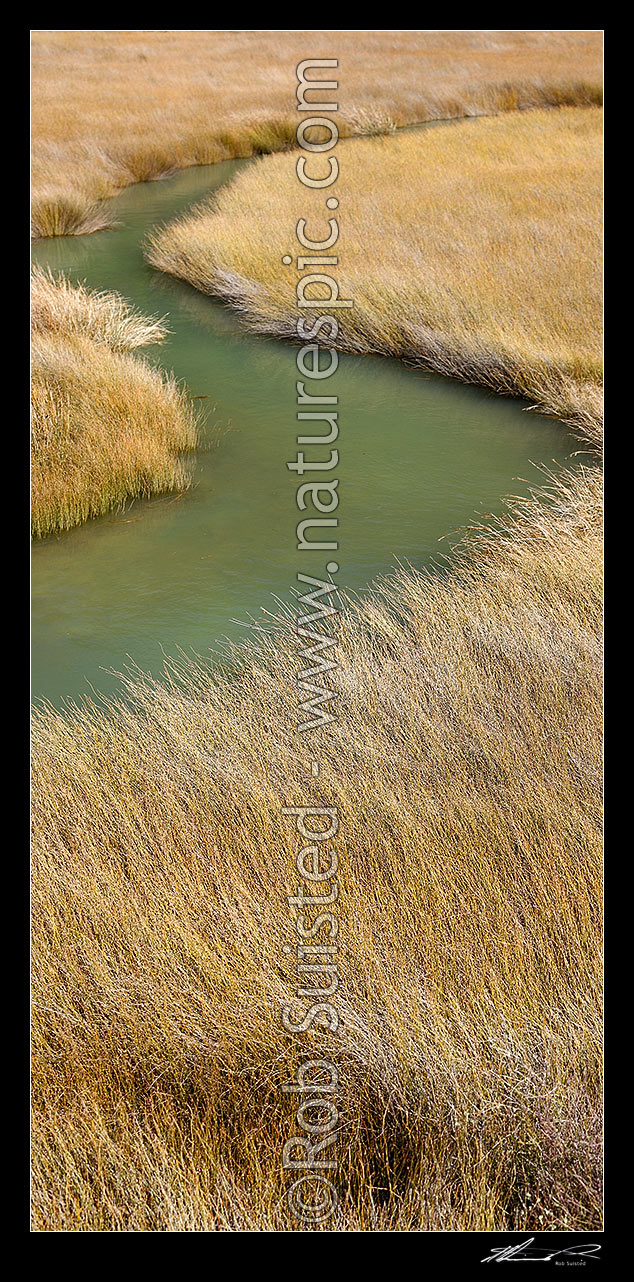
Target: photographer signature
523, 1251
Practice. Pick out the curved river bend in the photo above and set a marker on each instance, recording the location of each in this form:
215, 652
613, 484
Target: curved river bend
420, 456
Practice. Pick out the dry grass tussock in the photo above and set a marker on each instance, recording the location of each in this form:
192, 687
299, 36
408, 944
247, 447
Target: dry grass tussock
112, 108
464, 761
106, 426
474, 249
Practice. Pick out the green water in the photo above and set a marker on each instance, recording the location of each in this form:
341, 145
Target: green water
420, 456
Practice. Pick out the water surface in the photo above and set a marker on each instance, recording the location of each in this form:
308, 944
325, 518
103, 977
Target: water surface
420, 457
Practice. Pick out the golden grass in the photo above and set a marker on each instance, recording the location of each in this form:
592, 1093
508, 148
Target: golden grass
474, 249
106, 426
116, 107
465, 764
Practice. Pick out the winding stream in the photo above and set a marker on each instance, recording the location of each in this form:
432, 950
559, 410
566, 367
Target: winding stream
420, 456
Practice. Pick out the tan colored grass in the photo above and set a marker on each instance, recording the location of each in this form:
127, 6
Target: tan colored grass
106, 426
116, 107
67, 310
474, 249
465, 763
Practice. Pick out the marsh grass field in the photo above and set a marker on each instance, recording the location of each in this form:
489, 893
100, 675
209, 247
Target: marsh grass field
465, 756
112, 108
105, 425
473, 249
465, 764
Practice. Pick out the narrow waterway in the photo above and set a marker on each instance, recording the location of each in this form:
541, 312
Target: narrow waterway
420, 457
